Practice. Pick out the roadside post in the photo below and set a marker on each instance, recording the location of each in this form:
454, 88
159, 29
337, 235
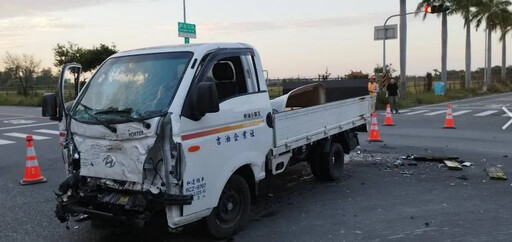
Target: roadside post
186, 30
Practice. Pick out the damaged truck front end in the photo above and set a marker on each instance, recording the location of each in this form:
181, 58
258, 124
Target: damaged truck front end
121, 160
104, 177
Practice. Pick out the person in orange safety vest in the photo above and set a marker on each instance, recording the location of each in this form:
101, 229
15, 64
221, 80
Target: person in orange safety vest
373, 87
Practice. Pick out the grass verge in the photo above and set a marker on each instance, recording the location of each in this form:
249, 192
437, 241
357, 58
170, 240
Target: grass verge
19, 100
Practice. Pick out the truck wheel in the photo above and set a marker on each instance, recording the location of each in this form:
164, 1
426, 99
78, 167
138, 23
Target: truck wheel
232, 211
330, 165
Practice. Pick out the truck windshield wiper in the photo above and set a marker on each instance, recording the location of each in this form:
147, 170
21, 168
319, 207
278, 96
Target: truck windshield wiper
125, 113
113, 110
106, 125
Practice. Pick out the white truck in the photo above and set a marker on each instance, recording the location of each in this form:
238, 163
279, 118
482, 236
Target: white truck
190, 131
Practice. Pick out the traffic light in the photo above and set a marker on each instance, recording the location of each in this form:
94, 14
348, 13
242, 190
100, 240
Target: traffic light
440, 8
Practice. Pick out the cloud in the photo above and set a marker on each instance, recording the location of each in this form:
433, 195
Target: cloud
17, 32
290, 25
21, 8
19, 25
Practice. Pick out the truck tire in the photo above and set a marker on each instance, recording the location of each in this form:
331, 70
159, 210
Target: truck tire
330, 165
232, 211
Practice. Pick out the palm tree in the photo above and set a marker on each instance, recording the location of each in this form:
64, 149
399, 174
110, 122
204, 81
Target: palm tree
444, 32
505, 27
465, 8
490, 12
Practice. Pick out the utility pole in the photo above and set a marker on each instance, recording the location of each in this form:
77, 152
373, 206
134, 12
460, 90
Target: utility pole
403, 48
187, 40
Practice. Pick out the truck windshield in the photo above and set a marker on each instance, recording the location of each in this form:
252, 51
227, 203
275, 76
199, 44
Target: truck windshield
129, 87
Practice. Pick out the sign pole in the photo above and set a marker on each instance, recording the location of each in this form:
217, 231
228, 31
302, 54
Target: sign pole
187, 41
385, 36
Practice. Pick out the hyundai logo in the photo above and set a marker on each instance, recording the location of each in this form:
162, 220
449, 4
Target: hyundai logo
109, 161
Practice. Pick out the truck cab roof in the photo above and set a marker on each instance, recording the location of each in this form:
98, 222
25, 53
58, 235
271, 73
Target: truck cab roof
205, 47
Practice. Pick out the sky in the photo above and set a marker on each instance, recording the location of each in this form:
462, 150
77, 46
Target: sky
295, 38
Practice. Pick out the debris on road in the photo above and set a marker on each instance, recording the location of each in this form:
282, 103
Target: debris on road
408, 157
462, 177
412, 163
452, 165
496, 173
466, 164
406, 173
398, 163
82, 218
435, 158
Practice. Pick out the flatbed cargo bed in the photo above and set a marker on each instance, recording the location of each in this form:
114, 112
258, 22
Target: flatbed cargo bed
296, 128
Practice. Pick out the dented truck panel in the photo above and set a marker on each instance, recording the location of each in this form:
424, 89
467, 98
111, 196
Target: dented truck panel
118, 156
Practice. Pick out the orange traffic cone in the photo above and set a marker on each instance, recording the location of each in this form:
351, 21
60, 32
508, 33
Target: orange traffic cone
32, 172
448, 123
374, 130
389, 120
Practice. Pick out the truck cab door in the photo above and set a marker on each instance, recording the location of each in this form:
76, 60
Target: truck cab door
56, 106
218, 143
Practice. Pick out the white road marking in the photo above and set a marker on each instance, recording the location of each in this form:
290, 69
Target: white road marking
12, 118
4, 142
25, 126
19, 121
416, 112
461, 112
434, 113
47, 131
20, 135
486, 113
12, 114
510, 121
401, 111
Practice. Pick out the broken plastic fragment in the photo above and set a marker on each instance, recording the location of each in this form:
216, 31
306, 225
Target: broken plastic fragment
82, 218
467, 164
462, 177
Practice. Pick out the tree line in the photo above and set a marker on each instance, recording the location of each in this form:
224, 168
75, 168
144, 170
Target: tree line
492, 15
25, 71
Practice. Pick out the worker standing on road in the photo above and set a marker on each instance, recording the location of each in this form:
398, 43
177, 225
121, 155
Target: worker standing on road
373, 88
392, 93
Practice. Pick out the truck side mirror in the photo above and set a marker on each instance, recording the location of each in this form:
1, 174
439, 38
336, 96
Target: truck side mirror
49, 106
206, 99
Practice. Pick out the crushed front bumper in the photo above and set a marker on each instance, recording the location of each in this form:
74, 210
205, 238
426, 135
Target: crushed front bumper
136, 208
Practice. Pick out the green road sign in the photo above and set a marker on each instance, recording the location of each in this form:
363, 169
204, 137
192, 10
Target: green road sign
186, 30
187, 40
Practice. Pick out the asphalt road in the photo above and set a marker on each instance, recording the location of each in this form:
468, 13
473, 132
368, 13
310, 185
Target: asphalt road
374, 201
